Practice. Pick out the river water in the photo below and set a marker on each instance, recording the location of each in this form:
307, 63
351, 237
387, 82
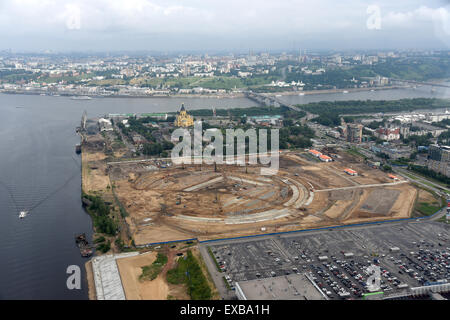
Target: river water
391, 94
39, 170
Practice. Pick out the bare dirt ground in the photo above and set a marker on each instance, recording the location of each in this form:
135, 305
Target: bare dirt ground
401, 206
130, 270
90, 281
157, 233
175, 203
425, 196
94, 175
94, 156
159, 288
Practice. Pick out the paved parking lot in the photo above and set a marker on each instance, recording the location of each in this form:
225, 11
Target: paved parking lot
409, 254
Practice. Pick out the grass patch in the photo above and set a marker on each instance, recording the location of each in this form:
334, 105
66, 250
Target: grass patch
188, 272
309, 157
123, 211
100, 239
214, 259
425, 180
427, 209
101, 215
151, 272
104, 247
425, 173
356, 153
226, 283
188, 244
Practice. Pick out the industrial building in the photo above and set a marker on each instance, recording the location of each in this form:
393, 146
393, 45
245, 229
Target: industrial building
267, 120
393, 152
105, 124
288, 287
159, 116
350, 172
315, 153
325, 158
391, 176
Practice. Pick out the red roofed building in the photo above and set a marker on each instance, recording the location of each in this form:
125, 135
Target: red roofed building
351, 172
388, 134
315, 153
325, 158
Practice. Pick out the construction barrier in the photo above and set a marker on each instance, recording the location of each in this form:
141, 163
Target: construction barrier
164, 242
288, 232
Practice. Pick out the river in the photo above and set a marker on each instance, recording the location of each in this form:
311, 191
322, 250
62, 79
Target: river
39, 170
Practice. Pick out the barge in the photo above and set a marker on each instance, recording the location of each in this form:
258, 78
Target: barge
83, 245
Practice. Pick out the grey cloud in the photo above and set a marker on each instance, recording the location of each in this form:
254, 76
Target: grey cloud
198, 24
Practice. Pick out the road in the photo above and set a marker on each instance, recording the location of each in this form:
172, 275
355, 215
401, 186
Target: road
422, 181
215, 274
363, 186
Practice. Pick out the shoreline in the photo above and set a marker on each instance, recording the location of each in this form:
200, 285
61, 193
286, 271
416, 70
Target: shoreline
325, 91
230, 95
92, 295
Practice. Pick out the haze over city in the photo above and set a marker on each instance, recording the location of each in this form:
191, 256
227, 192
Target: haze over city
235, 153
154, 25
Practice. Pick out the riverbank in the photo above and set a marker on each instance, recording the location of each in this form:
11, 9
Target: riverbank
90, 280
227, 95
327, 91
189, 95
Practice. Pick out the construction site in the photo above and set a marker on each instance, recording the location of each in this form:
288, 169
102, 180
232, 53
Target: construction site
167, 202
161, 207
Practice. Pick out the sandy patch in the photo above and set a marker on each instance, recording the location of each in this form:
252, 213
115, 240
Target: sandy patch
90, 281
93, 156
402, 208
425, 196
337, 209
130, 270
152, 234
94, 177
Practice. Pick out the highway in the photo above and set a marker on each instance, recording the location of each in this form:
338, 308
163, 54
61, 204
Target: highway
422, 181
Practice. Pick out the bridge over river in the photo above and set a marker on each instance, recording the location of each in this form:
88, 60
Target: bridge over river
432, 84
269, 100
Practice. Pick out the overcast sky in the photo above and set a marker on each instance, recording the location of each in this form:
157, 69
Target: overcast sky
171, 25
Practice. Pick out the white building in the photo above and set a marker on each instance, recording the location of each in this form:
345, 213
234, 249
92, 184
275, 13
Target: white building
105, 124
